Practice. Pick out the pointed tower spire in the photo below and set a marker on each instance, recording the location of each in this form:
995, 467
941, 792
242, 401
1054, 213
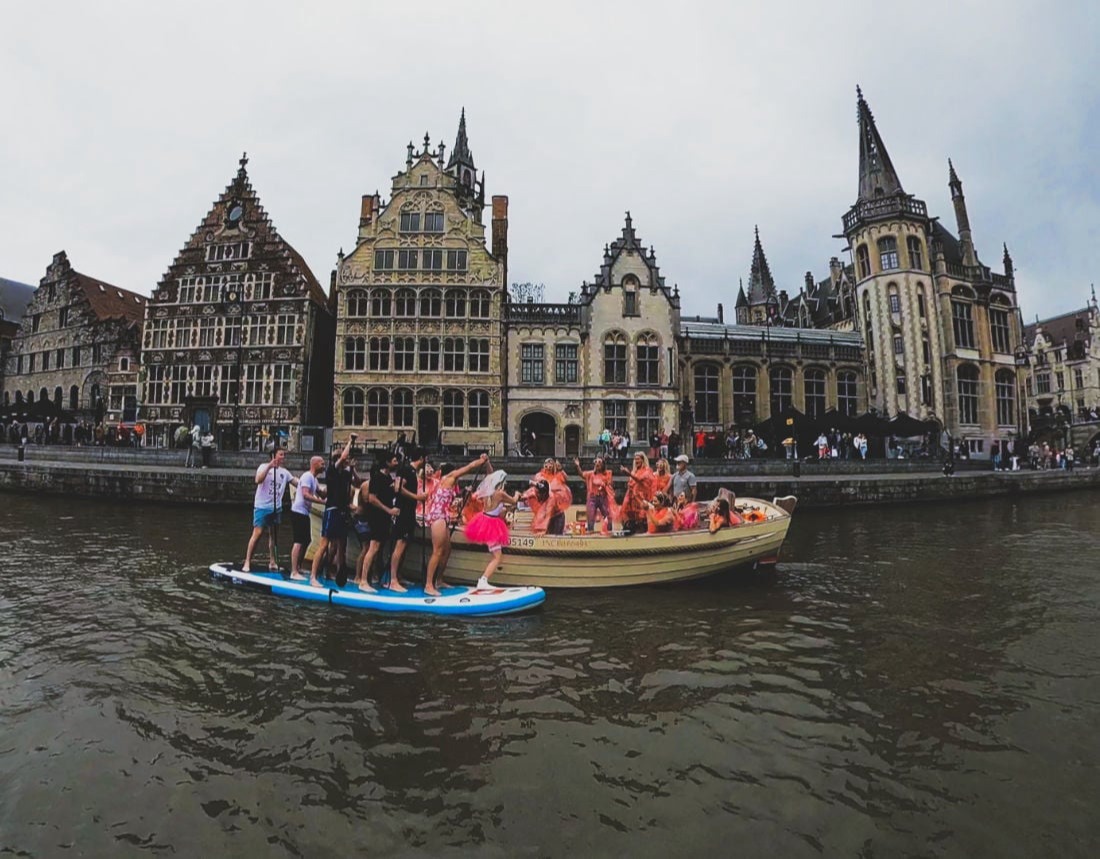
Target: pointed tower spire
461, 154
1010, 271
966, 241
742, 301
877, 177
761, 284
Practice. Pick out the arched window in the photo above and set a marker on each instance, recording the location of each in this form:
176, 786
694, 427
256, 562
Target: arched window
813, 383
868, 328
378, 407
353, 407
705, 378
355, 353
44, 395
614, 359
379, 355
479, 409
455, 305
19, 398
357, 303
894, 298
381, 306
74, 398
916, 254
648, 349
429, 354
846, 398
1005, 388
57, 395
454, 407
967, 380
30, 398
404, 303
402, 407
888, 253
863, 262
744, 395
900, 382
782, 382
479, 304
431, 303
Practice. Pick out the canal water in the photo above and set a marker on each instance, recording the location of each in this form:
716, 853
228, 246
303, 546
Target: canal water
910, 682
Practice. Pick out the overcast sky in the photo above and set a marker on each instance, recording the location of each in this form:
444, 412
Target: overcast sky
702, 119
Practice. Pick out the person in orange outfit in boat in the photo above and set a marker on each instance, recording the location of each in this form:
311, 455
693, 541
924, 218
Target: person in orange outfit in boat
722, 516
662, 478
548, 516
639, 492
660, 517
600, 491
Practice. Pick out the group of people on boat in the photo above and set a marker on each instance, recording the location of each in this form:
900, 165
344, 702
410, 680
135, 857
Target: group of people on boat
403, 491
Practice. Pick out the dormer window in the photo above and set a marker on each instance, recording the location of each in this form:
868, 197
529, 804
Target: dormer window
124, 365
888, 253
630, 303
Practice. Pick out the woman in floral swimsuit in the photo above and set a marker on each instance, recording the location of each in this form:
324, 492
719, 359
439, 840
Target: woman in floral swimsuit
439, 521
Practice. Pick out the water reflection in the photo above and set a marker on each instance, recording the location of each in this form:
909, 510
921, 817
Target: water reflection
890, 690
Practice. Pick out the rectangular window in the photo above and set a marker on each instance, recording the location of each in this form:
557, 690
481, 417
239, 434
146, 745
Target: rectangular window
863, 262
454, 409
926, 351
380, 353
433, 260
813, 389
178, 383
1042, 383
899, 345
204, 380
916, 258
1078, 378
920, 304
36, 321
1005, 389
59, 359
479, 355
614, 415
257, 287
888, 253
531, 364
76, 356
963, 325
614, 362
62, 317
45, 361
282, 385
901, 384
895, 303
256, 334
846, 401
456, 260
429, 354
630, 303
208, 332
285, 326
232, 334
565, 363
227, 383
228, 251
156, 387
1000, 331
30, 361
383, 260
1059, 378
647, 420
926, 389
404, 354
355, 353
252, 387
410, 222
433, 222
407, 260
479, 409
454, 355
649, 364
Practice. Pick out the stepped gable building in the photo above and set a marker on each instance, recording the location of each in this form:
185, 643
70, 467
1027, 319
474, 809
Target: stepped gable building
607, 359
14, 298
78, 336
419, 308
238, 334
1063, 374
940, 327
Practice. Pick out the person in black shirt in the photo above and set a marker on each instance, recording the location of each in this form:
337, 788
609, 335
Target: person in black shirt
408, 496
334, 524
381, 512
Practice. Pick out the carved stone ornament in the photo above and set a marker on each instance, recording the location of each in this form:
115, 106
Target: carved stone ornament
284, 355
208, 310
157, 358
161, 312
427, 397
204, 356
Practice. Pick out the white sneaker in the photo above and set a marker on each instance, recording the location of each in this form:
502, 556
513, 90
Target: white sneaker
483, 584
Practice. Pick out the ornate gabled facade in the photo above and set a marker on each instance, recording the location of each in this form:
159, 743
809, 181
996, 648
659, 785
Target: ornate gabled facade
1063, 379
420, 303
76, 332
238, 334
609, 359
940, 328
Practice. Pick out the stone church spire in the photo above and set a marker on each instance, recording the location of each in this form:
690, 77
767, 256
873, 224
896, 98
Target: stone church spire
761, 284
461, 156
877, 177
962, 219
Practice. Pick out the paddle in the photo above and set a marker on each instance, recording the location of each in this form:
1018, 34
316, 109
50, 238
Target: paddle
275, 515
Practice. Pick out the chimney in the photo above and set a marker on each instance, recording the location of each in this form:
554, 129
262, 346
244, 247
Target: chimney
332, 283
809, 282
721, 315
369, 209
835, 268
500, 232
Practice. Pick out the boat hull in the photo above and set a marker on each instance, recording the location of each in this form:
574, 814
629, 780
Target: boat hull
599, 561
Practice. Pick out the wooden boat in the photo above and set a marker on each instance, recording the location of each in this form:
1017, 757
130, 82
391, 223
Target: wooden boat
581, 560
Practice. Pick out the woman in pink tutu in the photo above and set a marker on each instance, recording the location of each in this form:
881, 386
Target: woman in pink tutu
488, 526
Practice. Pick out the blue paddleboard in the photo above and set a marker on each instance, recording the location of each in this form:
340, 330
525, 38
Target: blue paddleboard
462, 601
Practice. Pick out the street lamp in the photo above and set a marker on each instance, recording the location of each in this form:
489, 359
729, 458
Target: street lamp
1022, 363
230, 305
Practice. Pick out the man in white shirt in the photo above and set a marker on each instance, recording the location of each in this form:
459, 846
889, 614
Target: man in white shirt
271, 483
308, 493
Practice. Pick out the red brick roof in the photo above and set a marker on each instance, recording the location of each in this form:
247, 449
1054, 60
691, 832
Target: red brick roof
110, 302
1060, 329
316, 293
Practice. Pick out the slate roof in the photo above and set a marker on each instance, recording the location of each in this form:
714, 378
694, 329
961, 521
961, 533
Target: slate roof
1061, 330
110, 302
14, 298
708, 330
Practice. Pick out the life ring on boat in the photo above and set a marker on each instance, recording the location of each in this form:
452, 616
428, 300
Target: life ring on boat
754, 515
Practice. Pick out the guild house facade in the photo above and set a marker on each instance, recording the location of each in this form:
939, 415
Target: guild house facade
238, 334
419, 307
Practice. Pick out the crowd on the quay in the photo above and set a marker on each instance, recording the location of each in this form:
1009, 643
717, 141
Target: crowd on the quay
403, 490
79, 434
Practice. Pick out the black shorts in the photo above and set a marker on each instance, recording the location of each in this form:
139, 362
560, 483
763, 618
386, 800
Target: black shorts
405, 526
380, 528
299, 525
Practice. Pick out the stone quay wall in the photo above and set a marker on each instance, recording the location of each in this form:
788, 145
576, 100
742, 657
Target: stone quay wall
150, 482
